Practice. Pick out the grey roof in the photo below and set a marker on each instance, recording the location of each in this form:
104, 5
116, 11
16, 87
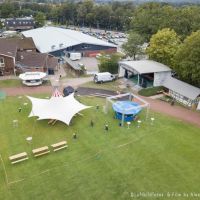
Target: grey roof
50, 39
145, 66
181, 87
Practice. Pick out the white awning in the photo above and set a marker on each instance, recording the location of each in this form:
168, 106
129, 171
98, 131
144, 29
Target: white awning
58, 108
32, 76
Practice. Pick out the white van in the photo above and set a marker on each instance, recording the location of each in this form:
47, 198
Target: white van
75, 56
103, 77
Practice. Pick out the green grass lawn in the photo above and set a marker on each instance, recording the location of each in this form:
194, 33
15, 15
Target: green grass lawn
16, 83
114, 85
10, 83
98, 165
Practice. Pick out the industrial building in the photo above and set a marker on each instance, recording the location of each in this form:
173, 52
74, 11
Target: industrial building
60, 41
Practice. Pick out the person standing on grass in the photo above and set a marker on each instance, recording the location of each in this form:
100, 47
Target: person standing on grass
106, 127
91, 123
74, 136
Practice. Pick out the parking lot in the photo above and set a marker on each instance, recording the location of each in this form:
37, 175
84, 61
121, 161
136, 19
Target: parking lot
90, 64
115, 37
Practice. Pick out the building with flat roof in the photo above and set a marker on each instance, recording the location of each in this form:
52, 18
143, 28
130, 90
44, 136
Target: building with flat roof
60, 41
145, 73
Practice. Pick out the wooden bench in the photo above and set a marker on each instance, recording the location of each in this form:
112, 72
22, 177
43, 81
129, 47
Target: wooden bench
59, 145
40, 151
18, 157
52, 121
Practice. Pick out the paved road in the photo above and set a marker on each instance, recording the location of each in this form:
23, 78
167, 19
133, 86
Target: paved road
95, 92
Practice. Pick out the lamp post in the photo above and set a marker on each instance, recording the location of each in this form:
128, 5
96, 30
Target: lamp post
152, 120
15, 123
128, 123
29, 139
139, 123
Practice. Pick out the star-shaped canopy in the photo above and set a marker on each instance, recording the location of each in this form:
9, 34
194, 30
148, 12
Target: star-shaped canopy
57, 107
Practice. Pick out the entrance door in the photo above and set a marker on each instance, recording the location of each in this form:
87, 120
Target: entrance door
126, 73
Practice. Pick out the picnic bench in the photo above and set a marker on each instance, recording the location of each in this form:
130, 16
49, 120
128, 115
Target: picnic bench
18, 157
59, 145
40, 151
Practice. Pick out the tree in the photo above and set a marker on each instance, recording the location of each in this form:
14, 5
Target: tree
147, 19
163, 46
133, 46
187, 59
8, 10
109, 63
40, 19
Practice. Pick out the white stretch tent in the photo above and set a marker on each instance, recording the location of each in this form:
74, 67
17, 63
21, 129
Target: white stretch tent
57, 107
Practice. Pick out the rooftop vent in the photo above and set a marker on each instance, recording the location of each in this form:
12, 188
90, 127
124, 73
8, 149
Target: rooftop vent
53, 46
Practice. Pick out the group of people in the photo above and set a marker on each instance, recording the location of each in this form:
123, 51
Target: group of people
105, 126
92, 125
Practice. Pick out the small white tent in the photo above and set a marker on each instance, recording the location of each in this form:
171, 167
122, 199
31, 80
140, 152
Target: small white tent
57, 107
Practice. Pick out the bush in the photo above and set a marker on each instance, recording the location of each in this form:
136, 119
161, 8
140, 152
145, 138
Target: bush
147, 92
109, 63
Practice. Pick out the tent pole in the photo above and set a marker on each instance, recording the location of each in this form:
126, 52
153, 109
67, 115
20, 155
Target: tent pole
122, 119
130, 97
147, 112
106, 109
138, 81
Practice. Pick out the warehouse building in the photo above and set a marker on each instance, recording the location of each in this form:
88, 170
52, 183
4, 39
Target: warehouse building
60, 41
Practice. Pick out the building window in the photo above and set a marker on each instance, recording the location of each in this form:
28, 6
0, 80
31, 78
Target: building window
2, 64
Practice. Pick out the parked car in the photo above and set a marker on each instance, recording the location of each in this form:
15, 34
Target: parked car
68, 90
103, 77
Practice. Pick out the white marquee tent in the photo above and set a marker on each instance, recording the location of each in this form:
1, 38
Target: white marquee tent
57, 107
